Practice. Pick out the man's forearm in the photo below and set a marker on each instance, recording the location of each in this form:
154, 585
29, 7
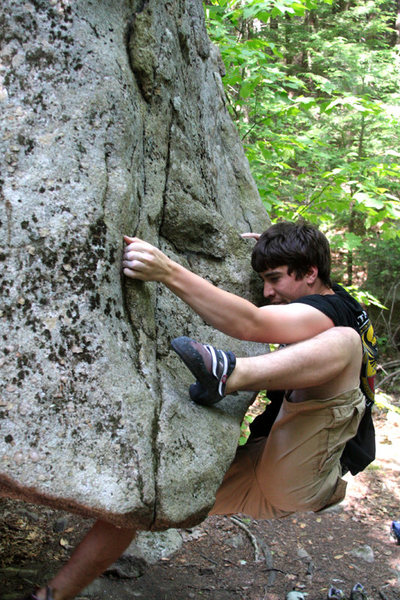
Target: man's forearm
235, 316
221, 309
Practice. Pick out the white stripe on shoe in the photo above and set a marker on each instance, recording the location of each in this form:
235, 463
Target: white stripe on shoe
222, 381
214, 360
214, 366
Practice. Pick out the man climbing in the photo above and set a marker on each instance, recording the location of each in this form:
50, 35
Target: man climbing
315, 423
312, 433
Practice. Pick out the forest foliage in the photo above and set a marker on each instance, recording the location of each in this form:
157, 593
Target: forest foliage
313, 86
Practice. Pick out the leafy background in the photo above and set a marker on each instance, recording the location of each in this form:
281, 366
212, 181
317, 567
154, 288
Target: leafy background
314, 89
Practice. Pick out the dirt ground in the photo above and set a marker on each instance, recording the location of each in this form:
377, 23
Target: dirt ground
226, 559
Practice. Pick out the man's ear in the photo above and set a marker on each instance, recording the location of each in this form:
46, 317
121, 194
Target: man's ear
311, 275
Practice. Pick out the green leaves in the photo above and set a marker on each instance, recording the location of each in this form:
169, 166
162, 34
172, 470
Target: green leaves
360, 104
245, 429
314, 89
364, 297
263, 11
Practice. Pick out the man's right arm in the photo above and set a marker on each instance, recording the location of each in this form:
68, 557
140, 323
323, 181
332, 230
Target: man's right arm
227, 312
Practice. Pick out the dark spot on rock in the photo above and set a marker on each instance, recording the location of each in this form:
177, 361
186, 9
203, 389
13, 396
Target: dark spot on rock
111, 255
27, 305
97, 232
39, 56
94, 301
107, 309
49, 258
27, 142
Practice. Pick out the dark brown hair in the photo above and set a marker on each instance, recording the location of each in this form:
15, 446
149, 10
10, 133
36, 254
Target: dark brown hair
299, 246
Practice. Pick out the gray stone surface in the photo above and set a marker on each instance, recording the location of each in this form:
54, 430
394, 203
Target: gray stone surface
113, 120
153, 546
364, 552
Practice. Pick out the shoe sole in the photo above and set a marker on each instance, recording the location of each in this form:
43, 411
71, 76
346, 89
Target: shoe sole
193, 360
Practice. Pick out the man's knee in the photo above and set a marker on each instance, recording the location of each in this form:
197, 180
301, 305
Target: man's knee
344, 343
347, 334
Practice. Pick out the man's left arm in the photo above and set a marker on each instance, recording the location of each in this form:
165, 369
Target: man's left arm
231, 314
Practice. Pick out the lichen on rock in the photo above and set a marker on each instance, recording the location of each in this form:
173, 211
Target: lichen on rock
113, 121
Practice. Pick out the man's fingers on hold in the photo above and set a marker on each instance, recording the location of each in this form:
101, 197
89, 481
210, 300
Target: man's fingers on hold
142, 257
249, 235
134, 265
133, 274
128, 239
135, 246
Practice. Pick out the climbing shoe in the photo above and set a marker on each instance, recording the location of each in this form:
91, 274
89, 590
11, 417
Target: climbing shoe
335, 594
210, 366
358, 593
395, 531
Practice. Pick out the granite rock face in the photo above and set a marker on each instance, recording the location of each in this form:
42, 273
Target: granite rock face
113, 120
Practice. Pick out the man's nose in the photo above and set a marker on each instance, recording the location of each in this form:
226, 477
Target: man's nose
269, 291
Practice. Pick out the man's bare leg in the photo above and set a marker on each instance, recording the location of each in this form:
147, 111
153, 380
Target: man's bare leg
332, 357
102, 546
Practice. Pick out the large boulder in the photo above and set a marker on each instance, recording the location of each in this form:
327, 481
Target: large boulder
114, 121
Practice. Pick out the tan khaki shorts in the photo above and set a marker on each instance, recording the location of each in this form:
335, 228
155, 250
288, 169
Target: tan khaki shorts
297, 467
